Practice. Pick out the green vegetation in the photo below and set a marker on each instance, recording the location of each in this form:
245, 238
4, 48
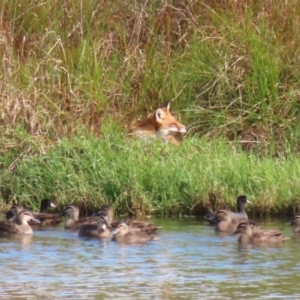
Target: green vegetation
153, 178
74, 75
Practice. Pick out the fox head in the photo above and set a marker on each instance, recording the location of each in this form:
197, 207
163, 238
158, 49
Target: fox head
160, 124
165, 123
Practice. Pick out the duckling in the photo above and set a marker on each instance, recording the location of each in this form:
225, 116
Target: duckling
296, 223
240, 214
258, 237
131, 235
95, 231
20, 225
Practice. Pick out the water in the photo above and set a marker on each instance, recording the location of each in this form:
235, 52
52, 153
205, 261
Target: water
190, 261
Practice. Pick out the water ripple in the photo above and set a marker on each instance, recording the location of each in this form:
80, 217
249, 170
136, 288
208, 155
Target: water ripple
189, 261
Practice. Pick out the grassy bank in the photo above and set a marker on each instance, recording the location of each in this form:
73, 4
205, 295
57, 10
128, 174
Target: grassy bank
231, 68
74, 75
156, 179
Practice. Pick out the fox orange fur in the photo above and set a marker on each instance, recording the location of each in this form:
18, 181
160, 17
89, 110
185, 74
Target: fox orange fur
160, 124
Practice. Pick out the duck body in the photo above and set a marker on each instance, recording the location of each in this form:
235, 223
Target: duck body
98, 230
143, 226
248, 235
239, 215
224, 222
74, 222
125, 234
19, 225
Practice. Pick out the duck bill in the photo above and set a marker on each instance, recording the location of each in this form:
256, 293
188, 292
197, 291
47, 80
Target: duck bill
36, 220
52, 205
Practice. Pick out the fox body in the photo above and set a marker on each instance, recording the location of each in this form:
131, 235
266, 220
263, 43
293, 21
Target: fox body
160, 124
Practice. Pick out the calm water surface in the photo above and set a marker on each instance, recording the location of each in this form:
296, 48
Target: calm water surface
190, 261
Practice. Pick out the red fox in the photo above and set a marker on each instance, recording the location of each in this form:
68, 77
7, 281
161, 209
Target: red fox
161, 124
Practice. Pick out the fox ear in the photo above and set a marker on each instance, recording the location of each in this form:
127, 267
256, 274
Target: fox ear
159, 115
166, 105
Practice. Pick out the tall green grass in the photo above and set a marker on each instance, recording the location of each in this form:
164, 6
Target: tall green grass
154, 178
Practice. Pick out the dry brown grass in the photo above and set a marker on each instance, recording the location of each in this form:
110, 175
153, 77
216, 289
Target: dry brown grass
230, 64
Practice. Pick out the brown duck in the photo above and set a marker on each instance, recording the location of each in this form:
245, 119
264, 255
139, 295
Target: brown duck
13, 212
125, 234
74, 222
19, 225
108, 213
45, 218
258, 237
224, 222
147, 227
98, 230
239, 215
105, 211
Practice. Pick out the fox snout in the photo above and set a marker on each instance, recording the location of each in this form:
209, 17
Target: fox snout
183, 130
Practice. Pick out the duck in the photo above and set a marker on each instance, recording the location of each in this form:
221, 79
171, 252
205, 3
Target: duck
74, 222
45, 205
13, 212
225, 222
147, 227
125, 234
19, 225
107, 212
240, 214
296, 223
98, 230
45, 218
258, 237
